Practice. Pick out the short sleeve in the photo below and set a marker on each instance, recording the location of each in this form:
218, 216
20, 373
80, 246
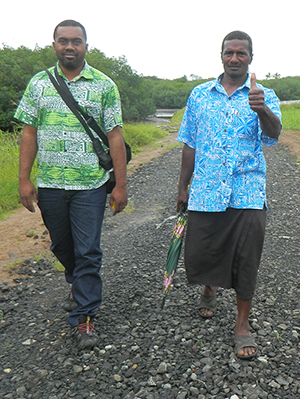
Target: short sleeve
188, 128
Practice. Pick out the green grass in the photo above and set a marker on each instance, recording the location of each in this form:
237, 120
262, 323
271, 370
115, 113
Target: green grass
290, 116
139, 135
9, 171
177, 117
9, 155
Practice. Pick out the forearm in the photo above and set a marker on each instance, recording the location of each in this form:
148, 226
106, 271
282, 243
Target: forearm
118, 154
270, 123
187, 169
28, 151
118, 197
187, 166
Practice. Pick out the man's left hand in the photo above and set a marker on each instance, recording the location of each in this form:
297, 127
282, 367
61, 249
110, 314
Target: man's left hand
118, 199
256, 96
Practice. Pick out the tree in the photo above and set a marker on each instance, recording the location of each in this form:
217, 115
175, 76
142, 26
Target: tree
17, 66
274, 76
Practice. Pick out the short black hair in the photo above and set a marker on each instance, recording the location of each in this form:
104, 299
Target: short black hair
238, 35
70, 22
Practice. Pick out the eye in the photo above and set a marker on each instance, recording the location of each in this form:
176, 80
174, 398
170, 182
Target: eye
62, 41
77, 42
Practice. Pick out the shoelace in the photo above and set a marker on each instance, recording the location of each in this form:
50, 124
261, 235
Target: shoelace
87, 327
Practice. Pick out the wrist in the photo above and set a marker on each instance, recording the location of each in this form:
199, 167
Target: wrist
23, 179
121, 185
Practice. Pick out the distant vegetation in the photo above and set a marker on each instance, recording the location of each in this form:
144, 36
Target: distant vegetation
287, 89
140, 95
18, 66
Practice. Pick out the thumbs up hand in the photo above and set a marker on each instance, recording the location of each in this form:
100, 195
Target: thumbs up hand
253, 81
256, 96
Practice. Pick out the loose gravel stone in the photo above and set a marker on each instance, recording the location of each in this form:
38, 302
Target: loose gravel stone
144, 352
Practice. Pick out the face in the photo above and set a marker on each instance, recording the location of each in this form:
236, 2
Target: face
236, 58
70, 47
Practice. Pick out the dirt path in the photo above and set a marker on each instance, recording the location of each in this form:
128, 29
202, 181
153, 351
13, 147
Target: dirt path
23, 235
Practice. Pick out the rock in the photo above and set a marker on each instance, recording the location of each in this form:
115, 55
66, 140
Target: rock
182, 395
21, 391
29, 341
77, 369
117, 378
151, 382
159, 354
163, 368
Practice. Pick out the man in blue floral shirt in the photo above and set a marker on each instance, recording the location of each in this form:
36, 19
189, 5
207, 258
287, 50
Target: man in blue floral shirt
226, 121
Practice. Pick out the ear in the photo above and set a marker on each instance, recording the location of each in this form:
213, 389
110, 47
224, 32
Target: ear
251, 59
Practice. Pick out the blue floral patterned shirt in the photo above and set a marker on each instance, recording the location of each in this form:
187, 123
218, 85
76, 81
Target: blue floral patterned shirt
230, 168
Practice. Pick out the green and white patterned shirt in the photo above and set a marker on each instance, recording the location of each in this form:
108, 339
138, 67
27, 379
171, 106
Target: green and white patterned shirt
66, 159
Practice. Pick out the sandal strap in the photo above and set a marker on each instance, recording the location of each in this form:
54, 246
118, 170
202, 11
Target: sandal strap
208, 302
242, 341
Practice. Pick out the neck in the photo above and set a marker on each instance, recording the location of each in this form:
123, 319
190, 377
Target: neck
231, 84
70, 74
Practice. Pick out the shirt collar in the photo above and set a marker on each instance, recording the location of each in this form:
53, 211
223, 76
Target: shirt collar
218, 86
84, 73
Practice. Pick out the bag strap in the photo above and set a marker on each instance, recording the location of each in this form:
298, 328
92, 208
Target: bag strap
71, 103
64, 95
88, 118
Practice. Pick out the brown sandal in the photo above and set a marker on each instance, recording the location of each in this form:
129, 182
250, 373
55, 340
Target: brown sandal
208, 302
243, 341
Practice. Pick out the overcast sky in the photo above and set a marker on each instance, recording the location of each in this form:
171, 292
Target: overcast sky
165, 38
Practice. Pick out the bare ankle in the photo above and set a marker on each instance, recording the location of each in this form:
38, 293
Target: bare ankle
209, 290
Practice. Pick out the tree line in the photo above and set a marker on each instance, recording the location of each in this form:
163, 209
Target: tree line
140, 95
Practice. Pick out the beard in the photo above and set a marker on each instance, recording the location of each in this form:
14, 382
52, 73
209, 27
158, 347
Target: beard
71, 61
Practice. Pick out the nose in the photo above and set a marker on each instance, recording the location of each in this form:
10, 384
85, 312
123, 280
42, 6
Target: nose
234, 57
70, 45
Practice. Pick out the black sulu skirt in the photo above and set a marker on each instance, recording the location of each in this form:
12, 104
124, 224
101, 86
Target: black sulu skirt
223, 249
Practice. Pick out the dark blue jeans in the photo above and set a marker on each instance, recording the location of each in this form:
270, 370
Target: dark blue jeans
74, 220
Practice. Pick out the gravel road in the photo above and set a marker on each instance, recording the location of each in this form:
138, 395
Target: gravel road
145, 352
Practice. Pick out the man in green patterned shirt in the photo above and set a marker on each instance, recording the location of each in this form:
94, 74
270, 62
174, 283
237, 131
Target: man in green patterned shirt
71, 185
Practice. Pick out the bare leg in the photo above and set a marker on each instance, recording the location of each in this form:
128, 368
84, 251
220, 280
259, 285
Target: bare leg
209, 291
242, 324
